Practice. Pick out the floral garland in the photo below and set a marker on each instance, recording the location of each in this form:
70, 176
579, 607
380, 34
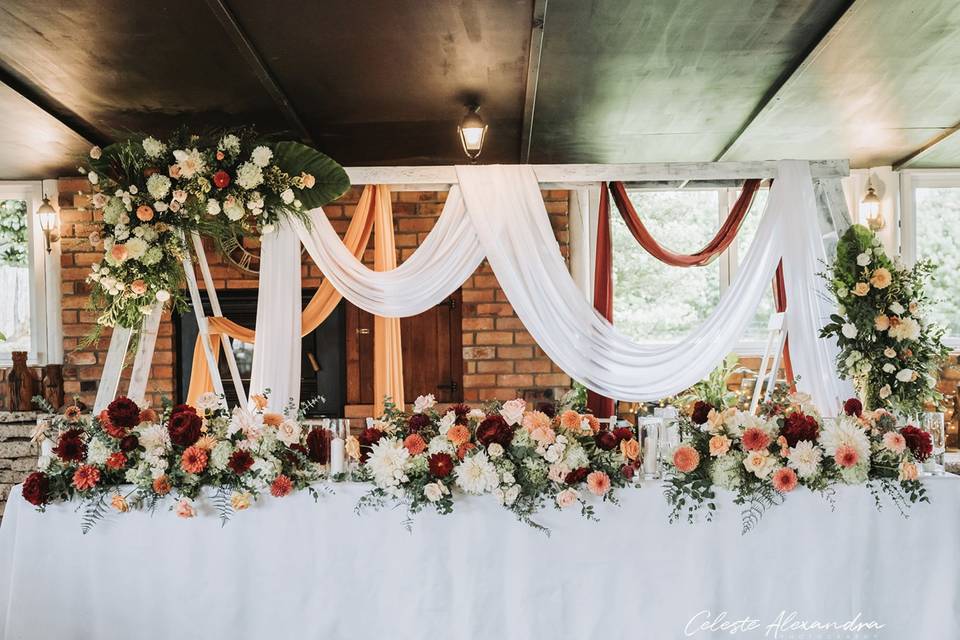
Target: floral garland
128, 457
525, 459
886, 346
152, 192
764, 457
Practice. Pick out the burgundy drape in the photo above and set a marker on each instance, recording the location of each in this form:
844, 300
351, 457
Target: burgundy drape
716, 246
599, 405
780, 300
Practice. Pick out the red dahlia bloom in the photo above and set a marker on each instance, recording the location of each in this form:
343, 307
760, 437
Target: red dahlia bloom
221, 179
129, 443
317, 446
184, 428
606, 440
282, 486
441, 465
700, 412
799, 426
494, 429
36, 488
577, 475
70, 447
124, 413
918, 441
117, 460
418, 421
240, 462
853, 407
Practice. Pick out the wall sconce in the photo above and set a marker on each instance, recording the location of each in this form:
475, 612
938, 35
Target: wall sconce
473, 132
49, 222
870, 208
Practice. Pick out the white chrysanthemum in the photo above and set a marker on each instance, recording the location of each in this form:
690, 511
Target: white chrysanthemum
97, 451
153, 147
441, 444
261, 156
191, 162
477, 474
266, 467
845, 431
725, 471
742, 420
155, 437
229, 143
387, 462
158, 185
805, 459
220, 455
250, 423
249, 176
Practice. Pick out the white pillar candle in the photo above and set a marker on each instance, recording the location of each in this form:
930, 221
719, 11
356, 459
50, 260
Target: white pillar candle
650, 445
336, 456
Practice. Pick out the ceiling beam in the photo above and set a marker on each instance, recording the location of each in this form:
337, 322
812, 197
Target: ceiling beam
801, 62
55, 109
254, 60
926, 148
533, 77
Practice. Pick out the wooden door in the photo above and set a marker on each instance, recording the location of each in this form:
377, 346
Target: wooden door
432, 353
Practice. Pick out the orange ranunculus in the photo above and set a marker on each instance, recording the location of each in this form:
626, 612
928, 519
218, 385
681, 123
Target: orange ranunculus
259, 400
161, 486
415, 444
194, 460
464, 448
686, 458
570, 420
458, 434
145, 213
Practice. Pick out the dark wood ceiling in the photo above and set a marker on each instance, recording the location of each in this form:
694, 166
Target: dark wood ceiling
386, 81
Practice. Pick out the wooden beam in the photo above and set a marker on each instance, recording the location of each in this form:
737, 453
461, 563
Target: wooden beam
568, 176
254, 60
926, 148
801, 62
533, 77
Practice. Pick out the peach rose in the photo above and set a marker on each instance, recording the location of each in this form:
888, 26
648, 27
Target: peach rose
119, 503
174, 171
415, 444
185, 509
352, 447
307, 180
139, 287
119, 252
881, 278
272, 419
145, 213
259, 401
161, 486
458, 434
566, 498
570, 420
534, 420
908, 471
861, 289
543, 435
598, 482
240, 501
686, 458
630, 449
881, 322
719, 446
784, 480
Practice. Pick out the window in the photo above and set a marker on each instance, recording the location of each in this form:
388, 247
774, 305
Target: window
29, 313
658, 303
931, 230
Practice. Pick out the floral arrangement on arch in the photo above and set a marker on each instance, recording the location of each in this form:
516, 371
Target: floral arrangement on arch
764, 457
524, 459
130, 457
152, 192
887, 347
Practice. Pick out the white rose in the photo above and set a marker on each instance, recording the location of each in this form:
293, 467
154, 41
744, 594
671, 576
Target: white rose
288, 432
889, 368
897, 308
423, 403
890, 353
495, 450
508, 478
213, 207
863, 259
433, 491
512, 410
233, 209
447, 421
261, 156
163, 296
96, 152
849, 331
93, 177
905, 375
286, 196
208, 400
885, 392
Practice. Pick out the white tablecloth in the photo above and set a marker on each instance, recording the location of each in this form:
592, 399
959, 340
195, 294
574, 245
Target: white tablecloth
290, 568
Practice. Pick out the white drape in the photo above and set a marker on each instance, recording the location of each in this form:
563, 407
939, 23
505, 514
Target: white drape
498, 212
276, 352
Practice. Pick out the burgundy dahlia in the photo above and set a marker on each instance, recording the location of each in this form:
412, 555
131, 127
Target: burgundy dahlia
606, 440
577, 475
853, 407
36, 488
418, 421
367, 438
623, 433
184, 428
701, 410
494, 429
317, 446
124, 413
71, 447
441, 465
918, 441
627, 471
182, 408
460, 410
799, 426
129, 443
240, 461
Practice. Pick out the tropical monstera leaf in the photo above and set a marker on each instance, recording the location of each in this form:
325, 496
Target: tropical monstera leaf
332, 181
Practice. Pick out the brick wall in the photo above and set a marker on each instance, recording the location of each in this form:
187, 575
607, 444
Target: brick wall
500, 357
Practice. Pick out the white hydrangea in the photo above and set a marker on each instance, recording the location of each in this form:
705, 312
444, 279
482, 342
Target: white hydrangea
153, 147
576, 456
220, 455
158, 185
97, 452
725, 471
113, 210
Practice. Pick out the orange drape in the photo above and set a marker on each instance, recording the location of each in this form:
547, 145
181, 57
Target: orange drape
324, 301
387, 352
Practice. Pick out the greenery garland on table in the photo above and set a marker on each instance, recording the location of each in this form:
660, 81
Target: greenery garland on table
764, 457
887, 346
223, 185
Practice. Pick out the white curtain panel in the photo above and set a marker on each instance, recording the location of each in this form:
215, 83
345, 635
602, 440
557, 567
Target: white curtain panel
276, 352
498, 212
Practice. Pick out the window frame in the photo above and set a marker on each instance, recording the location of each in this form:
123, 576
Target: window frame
44, 300
910, 181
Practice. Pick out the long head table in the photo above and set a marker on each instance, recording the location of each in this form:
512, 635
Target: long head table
292, 568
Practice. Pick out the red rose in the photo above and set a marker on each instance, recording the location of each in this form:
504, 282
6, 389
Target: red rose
494, 429
853, 407
184, 428
623, 433
221, 179
317, 446
418, 421
799, 426
918, 441
124, 413
577, 475
240, 462
606, 440
70, 447
129, 443
700, 412
35, 488
441, 465
628, 470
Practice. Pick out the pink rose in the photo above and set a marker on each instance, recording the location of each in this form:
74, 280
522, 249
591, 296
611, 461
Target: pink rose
139, 287
119, 252
566, 498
